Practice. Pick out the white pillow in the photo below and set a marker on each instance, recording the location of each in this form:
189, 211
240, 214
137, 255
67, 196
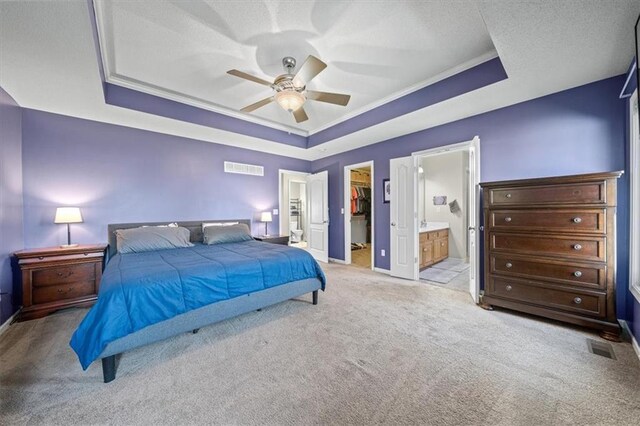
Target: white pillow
205, 224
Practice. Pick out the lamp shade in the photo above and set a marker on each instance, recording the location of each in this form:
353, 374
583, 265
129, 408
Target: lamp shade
290, 100
68, 215
266, 217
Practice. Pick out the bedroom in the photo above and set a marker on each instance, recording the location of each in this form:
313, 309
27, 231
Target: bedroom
126, 111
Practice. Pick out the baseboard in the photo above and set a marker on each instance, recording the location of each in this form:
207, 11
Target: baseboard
5, 325
340, 261
382, 271
636, 346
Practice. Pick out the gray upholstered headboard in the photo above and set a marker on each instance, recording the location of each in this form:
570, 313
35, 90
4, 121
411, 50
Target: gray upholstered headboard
194, 226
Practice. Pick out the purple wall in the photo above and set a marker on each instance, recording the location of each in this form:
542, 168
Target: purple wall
119, 174
575, 131
11, 226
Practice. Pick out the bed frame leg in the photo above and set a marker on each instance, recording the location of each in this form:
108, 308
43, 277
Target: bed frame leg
109, 368
315, 297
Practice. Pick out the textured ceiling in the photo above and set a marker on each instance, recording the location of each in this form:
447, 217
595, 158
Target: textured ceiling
182, 49
48, 62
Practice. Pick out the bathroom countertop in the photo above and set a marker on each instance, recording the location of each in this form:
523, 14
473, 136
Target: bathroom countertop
434, 226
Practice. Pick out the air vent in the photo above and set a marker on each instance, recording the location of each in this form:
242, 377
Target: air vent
243, 169
600, 348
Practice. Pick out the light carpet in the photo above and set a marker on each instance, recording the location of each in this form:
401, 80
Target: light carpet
375, 350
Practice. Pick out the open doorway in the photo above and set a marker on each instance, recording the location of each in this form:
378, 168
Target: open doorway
358, 214
293, 207
443, 219
420, 238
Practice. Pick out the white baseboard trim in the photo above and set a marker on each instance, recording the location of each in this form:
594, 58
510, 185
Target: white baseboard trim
5, 325
382, 271
340, 261
636, 346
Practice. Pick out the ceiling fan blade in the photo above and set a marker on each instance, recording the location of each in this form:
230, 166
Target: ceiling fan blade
249, 77
331, 98
257, 105
300, 115
311, 67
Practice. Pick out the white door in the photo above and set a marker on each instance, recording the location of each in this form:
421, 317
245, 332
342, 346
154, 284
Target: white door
474, 232
318, 202
403, 230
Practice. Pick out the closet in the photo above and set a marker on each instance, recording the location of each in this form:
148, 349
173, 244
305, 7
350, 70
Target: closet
360, 208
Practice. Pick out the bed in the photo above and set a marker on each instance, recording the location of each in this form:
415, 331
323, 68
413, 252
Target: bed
151, 296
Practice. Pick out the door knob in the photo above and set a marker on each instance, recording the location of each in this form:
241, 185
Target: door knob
393, 224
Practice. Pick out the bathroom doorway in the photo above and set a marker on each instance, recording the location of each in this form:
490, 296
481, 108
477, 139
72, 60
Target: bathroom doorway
297, 213
293, 207
359, 215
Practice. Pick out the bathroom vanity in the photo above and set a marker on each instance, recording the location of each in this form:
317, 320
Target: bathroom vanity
434, 243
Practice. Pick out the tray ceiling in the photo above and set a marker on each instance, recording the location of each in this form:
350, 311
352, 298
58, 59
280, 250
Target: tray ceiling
375, 51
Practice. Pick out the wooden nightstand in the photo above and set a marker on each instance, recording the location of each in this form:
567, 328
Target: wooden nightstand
273, 239
56, 278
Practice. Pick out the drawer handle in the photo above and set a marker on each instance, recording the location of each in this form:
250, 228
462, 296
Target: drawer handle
577, 300
507, 219
508, 265
577, 274
509, 288
40, 257
508, 195
67, 275
65, 291
577, 247
577, 219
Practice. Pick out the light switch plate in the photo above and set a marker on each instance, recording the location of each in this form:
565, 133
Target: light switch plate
342, 211
275, 212
383, 253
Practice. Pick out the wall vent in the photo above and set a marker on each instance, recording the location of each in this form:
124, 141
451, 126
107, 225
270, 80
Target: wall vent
243, 169
601, 348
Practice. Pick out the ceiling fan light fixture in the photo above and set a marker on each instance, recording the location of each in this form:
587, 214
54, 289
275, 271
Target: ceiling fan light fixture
290, 100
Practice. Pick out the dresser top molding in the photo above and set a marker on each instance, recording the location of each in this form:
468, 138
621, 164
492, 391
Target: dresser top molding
589, 177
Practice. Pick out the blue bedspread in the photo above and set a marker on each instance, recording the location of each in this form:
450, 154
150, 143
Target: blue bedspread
141, 289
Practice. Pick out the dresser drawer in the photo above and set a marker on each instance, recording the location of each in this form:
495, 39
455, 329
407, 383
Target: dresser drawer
553, 220
576, 247
590, 275
584, 303
54, 293
559, 194
63, 274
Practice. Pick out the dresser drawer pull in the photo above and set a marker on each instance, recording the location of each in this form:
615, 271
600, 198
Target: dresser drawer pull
577, 219
65, 291
40, 257
508, 195
507, 219
508, 288
577, 300
577, 247
509, 265
63, 275
577, 274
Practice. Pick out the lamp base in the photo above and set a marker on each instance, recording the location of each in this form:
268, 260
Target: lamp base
69, 245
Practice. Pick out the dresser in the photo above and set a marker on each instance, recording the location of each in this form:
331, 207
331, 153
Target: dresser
56, 278
434, 247
549, 248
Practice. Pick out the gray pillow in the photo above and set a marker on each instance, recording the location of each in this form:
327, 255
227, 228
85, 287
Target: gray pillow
227, 234
138, 240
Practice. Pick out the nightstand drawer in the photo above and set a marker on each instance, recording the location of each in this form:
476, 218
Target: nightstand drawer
54, 293
63, 274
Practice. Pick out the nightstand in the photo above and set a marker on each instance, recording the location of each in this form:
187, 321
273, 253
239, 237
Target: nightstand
57, 278
273, 239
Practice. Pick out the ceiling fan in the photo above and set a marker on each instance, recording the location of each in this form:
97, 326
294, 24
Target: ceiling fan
291, 89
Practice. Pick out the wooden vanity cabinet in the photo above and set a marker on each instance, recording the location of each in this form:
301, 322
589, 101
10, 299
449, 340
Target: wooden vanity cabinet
434, 247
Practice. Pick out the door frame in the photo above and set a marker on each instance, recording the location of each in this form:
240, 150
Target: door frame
347, 211
281, 173
445, 149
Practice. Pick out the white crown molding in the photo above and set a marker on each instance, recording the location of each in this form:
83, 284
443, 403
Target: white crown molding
408, 90
112, 77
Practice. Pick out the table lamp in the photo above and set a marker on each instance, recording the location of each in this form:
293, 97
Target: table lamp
266, 218
68, 215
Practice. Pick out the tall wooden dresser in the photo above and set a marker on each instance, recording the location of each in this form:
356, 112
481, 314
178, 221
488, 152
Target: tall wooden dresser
550, 248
